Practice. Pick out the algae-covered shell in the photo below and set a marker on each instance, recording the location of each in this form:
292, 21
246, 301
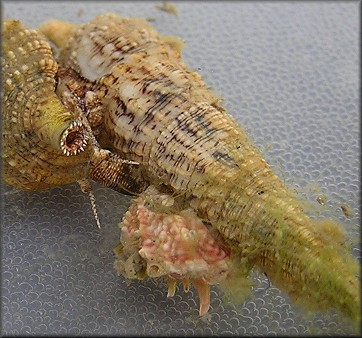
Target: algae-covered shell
43, 144
161, 114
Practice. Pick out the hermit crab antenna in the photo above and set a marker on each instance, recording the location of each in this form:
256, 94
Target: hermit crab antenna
87, 188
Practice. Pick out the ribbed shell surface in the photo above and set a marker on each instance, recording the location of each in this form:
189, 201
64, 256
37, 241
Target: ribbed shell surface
162, 115
36, 125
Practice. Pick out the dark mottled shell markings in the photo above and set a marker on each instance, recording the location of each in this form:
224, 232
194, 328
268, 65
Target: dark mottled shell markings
47, 139
160, 114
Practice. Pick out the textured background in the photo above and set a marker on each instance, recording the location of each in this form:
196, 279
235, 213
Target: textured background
289, 73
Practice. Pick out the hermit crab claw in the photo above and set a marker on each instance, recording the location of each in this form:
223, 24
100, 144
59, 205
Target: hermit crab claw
211, 181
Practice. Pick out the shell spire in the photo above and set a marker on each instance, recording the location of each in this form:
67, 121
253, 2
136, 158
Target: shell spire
160, 114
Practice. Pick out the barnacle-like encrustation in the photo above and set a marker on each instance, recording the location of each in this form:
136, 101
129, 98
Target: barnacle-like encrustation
161, 239
157, 112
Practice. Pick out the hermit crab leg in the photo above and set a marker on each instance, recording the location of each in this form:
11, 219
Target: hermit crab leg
106, 167
162, 115
47, 141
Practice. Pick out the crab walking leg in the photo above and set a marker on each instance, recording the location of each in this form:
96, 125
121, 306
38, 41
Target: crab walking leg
106, 167
160, 114
46, 139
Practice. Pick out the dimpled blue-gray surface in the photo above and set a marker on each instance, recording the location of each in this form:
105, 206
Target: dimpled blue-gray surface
289, 73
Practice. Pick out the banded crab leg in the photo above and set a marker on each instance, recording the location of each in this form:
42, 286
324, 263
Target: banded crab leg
46, 140
161, 114
106, 167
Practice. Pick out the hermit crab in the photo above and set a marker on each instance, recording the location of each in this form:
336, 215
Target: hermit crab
45, 144
213, 210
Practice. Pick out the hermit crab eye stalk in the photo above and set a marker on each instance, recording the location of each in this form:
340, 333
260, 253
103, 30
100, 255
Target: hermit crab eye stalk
74, 139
